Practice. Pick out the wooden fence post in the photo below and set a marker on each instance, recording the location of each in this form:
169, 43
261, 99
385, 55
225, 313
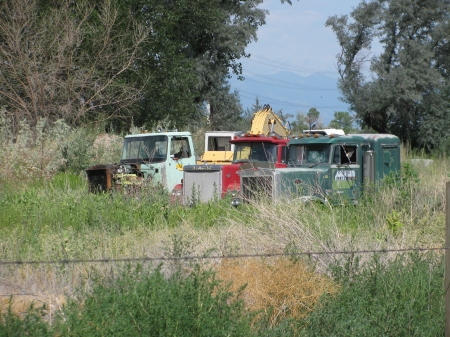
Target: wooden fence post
447, 260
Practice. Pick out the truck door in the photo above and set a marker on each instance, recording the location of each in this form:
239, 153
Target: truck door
346, 172
391, 158
181, 153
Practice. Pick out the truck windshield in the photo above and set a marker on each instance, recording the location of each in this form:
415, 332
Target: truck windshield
308, 154
147, 149
251, 152
219, 143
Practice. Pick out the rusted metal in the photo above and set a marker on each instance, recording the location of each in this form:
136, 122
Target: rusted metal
100, 177
111, 177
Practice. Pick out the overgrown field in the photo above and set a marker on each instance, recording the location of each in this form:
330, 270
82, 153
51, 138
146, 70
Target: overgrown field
53, 218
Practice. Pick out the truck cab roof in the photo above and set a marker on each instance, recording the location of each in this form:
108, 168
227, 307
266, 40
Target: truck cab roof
168, 134
249, 138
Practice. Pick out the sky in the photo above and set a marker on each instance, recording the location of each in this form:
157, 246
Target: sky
295, 39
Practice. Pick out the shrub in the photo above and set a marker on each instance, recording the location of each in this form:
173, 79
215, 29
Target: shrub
402, 298
31, 324
148, 304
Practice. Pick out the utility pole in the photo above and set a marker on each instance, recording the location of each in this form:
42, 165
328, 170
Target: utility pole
447, 260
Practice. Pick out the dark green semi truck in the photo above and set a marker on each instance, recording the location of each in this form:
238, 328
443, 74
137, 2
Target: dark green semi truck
332, 168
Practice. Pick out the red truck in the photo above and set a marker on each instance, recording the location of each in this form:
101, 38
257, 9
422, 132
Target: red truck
265, 145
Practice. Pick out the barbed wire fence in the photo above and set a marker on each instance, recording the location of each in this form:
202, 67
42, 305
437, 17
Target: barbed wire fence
215, 257
445, 249
293, 254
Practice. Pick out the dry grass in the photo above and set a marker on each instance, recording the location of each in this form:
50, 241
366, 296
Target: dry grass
25, 286
290, 289
278, 287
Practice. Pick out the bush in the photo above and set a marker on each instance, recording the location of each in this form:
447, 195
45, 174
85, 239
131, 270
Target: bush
402, 298
149, 304
31, 324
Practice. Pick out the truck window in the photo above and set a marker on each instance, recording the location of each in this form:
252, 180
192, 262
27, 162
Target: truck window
151, 149
253, 152
284, 154
345, 155
309, 154
219, 143
179, 147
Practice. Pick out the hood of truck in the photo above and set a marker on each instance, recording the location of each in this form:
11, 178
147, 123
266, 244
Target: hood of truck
217, 157
298, 182
230, 178
260, 139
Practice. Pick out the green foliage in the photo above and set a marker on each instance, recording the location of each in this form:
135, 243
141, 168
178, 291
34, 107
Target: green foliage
402, 298
194, 46
31, 324
119, 60
225, 109
67, 182
394, 222
406, 93
77, 152
141, 303
406, 181
342, 120
307, 121
40, 152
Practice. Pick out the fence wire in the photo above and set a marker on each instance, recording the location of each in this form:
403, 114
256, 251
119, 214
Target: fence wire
214, 257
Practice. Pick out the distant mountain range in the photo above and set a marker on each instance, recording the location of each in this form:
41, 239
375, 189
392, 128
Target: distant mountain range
291, 93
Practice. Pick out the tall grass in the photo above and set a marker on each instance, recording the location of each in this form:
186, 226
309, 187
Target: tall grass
50, 216
402, 298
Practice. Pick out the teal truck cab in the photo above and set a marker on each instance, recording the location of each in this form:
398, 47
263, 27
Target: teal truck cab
155, 158
333, 168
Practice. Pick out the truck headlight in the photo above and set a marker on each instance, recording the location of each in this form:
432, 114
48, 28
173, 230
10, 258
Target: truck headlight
177, 192
235, 202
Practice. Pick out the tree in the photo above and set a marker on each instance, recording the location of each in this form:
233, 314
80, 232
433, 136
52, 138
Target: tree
67, 61
342, 120
306, 121
407, 92
312, 118
194, 45
225, 109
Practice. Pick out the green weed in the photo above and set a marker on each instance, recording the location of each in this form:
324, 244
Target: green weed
140, 303
402, 298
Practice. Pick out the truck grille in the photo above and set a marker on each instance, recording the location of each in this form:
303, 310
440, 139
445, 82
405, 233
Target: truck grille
97, 181
257, 187
202, 183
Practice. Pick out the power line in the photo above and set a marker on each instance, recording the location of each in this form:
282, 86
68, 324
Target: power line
281, 65
288, 84
239, 256
293, 104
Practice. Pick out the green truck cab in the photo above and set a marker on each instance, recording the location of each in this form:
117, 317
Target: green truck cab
333, 168
155, 158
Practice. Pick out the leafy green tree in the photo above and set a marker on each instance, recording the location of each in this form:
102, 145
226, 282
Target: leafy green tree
225, 109
312, 118
193, 46
342, 120
407, 92
300, 123
306, 121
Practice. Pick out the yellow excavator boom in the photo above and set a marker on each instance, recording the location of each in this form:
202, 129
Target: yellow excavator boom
265, 122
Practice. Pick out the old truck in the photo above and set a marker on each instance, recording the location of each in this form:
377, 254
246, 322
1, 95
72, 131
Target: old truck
330, 168
154, 158
265, 145
218, 149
